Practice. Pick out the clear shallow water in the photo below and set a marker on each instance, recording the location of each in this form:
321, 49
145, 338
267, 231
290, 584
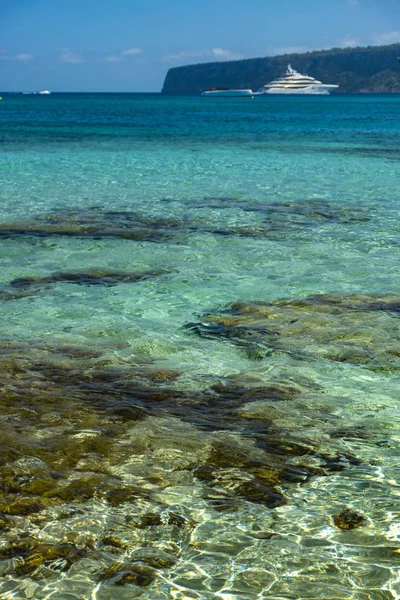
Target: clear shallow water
257, 201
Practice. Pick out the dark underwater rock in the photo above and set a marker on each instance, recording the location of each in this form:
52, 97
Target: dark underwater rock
205, 472
279, 220
224, 454
148, 520
153, 558
311, 212
5, 524
18, 548
25, 506
84, 432
46, 553
106, 277
347, 328
35, 554
349, 519
178, 520
254, 491
127, 412
130, 493
114, 541
301, 213
94, 222
122, 573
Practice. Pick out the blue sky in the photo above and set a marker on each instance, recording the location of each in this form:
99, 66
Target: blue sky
128, 45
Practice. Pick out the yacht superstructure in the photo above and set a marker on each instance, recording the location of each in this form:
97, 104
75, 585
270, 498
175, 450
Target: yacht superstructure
295, 83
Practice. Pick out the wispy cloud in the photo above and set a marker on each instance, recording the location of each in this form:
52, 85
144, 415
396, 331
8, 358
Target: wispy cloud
131, 52
349, 42
184, 55
114, 58
67, 56
354, 2
223, 54
23, 57
389, 37
203, 55
20, 57
122, 54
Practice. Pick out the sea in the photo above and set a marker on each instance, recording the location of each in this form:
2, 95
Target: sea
200, 347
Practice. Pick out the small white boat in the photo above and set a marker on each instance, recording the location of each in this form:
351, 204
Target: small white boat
44, 92
221, 92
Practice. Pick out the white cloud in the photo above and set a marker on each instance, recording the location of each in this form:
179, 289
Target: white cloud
120, 56
349, 42
21, 57
113, 58
67, 56
203, 55
24, 57
131, 52
185, 55
225, 54
390, 37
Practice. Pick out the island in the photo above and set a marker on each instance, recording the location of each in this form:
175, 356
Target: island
369, 70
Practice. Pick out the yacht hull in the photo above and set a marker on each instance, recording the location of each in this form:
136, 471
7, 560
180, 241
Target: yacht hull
320, 90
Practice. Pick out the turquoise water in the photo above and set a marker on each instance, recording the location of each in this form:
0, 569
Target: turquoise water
203, 203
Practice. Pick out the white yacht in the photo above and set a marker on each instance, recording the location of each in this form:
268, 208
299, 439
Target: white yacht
296, 83
44, 92
226, 92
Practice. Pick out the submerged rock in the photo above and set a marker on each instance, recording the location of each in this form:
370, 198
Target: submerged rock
106, 277
97, 446
117, 496
153, 558
330, 327
114, 541
310, 212
35, 554
255, 491
122, 573
349, 519
94, 222
279, 220
25, 506
302, 212
225, 454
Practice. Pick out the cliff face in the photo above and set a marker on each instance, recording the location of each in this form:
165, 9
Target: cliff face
374, 69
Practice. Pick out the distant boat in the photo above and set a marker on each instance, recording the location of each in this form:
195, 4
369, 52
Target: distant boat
222, 92
44, 92
296, 83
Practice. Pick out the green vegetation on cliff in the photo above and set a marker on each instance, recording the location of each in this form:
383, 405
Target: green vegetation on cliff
374, 69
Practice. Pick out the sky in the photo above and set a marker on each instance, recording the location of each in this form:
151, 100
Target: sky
129, 45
